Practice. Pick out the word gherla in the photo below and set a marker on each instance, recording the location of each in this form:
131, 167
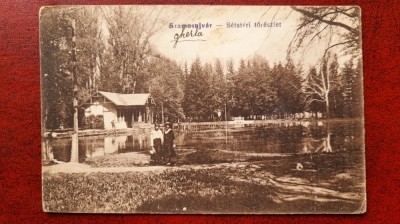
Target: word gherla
187, 35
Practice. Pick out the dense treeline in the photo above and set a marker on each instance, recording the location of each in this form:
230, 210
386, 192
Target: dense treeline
122, 59
257, 90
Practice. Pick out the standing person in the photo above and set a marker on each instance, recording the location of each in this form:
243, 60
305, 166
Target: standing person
113, 125
156, 143
169, 142
48, 139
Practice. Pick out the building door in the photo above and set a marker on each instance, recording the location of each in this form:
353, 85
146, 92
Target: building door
128, 117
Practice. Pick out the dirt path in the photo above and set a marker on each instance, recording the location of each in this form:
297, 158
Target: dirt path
84, 168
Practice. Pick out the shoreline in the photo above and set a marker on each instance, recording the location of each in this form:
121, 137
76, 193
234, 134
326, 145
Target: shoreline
146, 128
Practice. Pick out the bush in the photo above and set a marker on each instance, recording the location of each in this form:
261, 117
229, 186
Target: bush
94, 122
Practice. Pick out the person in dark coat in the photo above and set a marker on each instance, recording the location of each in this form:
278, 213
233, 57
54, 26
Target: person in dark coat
169, 143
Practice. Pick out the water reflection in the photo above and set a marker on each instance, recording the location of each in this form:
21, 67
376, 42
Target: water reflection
287, 137
98, 146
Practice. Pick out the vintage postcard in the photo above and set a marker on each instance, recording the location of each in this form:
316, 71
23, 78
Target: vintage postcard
202, 109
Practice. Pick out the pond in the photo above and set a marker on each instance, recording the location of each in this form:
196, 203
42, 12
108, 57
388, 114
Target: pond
277, 137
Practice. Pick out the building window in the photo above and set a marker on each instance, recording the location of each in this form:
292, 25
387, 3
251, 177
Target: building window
120, 115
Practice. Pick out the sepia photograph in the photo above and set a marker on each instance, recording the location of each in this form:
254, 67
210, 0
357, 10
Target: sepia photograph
199, 109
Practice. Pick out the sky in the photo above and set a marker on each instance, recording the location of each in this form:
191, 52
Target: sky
231, 33
223, 42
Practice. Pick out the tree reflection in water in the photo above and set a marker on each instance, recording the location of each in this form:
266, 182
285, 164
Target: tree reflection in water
278, 137
312, 145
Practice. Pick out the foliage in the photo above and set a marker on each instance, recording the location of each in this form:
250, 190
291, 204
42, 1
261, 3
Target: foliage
99, 42
196, 86
216, 95
166, 87
128, 49
113, 53
257, 186
254, 90
288, 83
313, 100
352, 89
319, 86
93, 122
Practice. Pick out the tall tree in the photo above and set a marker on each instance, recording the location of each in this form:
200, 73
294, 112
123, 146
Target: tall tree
217, 90
338, 28
265, 94
352, 89
241, 94
56, 66
166, 87
318, 87
313, 101
288, 83
128, 46
229, 88
209, 96
196, 86
253, 92
112, 53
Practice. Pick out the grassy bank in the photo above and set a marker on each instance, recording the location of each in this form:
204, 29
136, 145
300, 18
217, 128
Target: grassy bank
119, 160
327, 183
185, 157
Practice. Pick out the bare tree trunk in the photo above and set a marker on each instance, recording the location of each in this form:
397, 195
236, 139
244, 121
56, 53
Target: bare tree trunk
74, 147
328, 146
327, 104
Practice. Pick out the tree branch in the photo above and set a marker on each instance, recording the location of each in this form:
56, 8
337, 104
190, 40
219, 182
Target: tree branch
311, 15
